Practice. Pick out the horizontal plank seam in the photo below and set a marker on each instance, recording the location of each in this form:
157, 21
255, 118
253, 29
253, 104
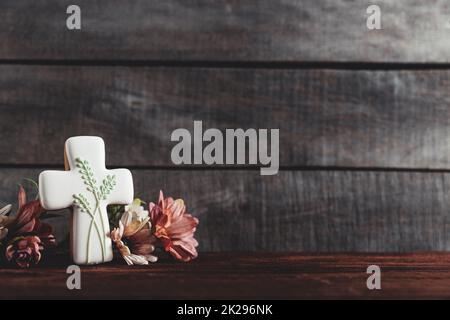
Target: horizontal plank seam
234, 64
239, 168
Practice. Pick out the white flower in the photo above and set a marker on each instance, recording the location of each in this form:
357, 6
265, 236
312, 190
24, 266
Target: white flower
5, 210
134, 219
137, 211
134, 259
129, 257
4, 220
132, 224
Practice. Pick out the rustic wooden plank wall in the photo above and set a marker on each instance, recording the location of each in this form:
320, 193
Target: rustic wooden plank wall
363, 115
350, 118
227, 30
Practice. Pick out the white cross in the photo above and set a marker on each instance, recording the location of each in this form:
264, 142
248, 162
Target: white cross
88, 187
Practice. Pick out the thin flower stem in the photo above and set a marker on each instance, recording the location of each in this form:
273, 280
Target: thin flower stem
102, 224
93, 223
102, 240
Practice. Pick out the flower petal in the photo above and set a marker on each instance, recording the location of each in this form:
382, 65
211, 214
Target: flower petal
115, 235
184, 251
161, 199
137, 259
22, 197
25, 220
183, 227
126, 219
177, 208
151, 258
5, 210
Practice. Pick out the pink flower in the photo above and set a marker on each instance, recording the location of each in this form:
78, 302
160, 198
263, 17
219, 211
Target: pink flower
174, 228
25, 251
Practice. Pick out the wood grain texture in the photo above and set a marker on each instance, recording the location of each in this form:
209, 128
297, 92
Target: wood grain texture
226, 30
241, 276
395, 119
302, 211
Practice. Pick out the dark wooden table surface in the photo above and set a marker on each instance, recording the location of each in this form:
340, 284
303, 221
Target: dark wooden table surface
242, 276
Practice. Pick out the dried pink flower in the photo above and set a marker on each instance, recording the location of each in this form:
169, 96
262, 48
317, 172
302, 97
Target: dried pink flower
24, 251
174, 228
27, 221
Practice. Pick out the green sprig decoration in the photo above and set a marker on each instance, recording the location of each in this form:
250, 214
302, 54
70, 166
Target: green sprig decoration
108, 185
87, 175
81, 202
